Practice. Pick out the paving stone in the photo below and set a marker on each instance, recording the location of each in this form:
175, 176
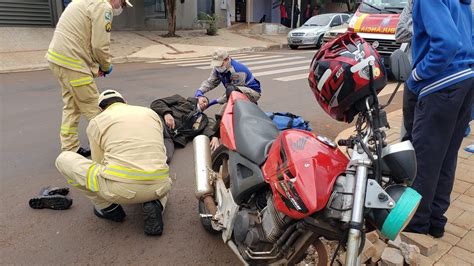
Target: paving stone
463, 205
467, 199
467, 242
372, 236
450, 238
392, 257
454, 196
455, 230
368, 252
461, 186
424, 261
451, 260
462, 254
465, 220
379, 247
395, 243
453, 212
470, 192
426, 243
443, 248
410, 253
465, 175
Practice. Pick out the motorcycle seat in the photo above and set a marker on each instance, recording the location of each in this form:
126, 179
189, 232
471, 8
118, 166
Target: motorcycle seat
253, 131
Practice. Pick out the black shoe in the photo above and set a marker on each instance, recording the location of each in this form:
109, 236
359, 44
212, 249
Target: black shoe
153, 217
114, 213
55, 202
436, 232
84, 152
47, 191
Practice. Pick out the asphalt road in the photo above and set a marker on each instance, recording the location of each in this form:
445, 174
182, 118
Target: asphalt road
30, 115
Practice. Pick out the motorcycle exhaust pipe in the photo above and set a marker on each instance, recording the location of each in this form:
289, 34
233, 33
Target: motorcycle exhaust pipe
202, 166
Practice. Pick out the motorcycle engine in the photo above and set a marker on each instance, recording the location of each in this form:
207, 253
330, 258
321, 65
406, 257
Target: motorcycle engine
260, 227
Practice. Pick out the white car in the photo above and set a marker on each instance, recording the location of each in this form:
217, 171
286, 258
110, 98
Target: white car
312, 31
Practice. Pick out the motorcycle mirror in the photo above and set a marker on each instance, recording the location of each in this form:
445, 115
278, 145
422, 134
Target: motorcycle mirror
400, 65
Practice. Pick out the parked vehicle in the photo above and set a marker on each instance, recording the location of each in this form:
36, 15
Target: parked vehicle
335, 32
312, 31
271, 195
376, 21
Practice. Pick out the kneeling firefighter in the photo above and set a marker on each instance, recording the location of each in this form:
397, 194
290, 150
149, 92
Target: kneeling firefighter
128, 163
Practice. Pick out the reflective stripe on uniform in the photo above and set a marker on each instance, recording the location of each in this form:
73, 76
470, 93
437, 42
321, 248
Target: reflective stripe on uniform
64, 59
81, 81
92, 178
68, 130
136, 174
73, 183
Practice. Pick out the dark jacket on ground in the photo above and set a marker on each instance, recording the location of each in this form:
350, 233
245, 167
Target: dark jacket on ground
180, 107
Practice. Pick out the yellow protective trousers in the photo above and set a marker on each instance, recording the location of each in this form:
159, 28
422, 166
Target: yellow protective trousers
91, 178
80, 96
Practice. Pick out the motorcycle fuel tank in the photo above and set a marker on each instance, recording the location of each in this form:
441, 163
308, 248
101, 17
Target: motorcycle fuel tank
301, 170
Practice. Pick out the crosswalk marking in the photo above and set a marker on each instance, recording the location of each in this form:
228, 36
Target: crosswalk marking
192, 58
198, 59
278, 71
293, 77
283, 67
280, 65
262, 62
243, 60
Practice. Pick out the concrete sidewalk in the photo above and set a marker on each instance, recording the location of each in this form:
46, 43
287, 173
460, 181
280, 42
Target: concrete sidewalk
457, 245
23, 49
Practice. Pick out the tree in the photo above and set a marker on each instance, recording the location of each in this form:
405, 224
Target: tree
350, 6
171, 11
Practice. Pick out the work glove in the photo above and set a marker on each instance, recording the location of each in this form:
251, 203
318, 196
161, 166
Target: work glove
103, 73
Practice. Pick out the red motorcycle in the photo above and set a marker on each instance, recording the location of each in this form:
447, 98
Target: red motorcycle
273, 194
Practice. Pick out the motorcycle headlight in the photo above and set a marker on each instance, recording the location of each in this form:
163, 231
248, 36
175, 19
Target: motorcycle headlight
401, 160
390, 222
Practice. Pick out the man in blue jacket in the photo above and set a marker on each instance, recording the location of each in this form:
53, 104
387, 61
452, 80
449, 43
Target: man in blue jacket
230, 72
443, 79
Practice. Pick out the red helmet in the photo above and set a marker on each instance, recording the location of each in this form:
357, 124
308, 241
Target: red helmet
339, 75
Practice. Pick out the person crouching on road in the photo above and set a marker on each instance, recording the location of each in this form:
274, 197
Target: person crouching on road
128, 163
230, 72
79, 52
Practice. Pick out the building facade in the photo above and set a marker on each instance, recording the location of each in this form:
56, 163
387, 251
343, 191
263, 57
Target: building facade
152, 15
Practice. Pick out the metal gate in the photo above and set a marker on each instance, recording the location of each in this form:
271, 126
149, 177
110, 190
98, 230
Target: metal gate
26, 13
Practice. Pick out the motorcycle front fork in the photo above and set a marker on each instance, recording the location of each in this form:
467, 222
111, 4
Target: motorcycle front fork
362, 163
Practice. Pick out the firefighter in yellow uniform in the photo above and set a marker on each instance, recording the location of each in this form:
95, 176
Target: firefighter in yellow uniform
79, 52
128, 163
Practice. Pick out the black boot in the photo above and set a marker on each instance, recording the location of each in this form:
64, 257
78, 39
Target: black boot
55, 202
48, 191
153, 217
84, 152
114, 213
51, 198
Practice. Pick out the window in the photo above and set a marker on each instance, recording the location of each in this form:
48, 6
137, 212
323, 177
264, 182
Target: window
205, 6
336, 21
155, 8
345, 18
